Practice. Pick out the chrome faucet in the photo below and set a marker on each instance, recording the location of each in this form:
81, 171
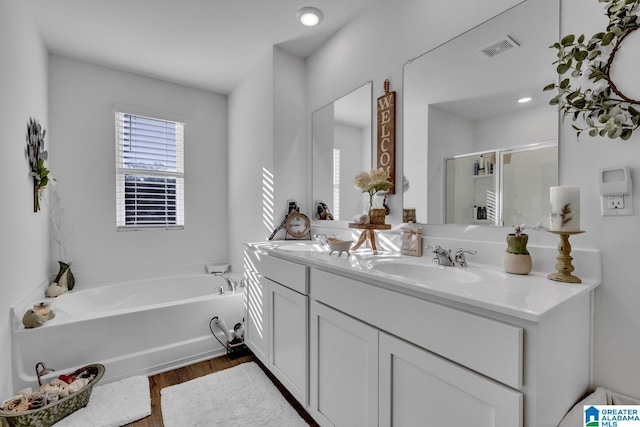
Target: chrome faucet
322, 238
230, 283
441, 256
460, 258
41, 370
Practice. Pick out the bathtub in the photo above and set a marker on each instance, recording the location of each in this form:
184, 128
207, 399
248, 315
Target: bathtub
133, 328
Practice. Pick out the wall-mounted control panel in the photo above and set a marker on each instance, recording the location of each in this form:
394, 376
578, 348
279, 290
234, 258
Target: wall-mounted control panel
616, 191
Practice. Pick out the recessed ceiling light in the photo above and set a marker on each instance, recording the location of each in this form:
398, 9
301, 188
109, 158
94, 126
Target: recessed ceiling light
524, 100
309, 16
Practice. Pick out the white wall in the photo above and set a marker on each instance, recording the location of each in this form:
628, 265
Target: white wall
289, 133
251, 159
267, 149
24, 235
82, 97
454, 135
348, 139
617, 352
376, 46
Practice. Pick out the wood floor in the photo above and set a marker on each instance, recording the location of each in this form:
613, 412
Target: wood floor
166, 379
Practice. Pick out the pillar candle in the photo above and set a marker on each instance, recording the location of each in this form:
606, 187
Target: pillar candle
565, 208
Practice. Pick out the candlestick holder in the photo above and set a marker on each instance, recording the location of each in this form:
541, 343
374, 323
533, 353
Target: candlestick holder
564, 268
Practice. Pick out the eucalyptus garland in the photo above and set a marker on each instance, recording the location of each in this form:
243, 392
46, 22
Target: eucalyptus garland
603, 108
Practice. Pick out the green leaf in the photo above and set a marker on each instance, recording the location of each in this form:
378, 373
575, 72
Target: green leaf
581, 39
580, 55
564, 84
626, 134
616, 7
593, 132
614, 133
554, 101
549, 87
567, 40
602, 132
579, 103
633, 111
564, 67
608, 38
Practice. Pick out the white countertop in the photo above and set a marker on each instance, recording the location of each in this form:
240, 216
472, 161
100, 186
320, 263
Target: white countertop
529, 297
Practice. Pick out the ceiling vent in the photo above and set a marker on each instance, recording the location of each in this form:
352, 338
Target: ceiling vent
498, 48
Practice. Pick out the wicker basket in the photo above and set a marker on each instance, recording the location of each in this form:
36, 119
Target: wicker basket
54, 412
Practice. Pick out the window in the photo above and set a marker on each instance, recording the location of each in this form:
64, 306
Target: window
336, 183
149, 172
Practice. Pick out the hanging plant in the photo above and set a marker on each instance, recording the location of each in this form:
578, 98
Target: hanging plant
603, 108
37, 156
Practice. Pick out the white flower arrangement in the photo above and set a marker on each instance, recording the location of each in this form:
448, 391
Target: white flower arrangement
372, 182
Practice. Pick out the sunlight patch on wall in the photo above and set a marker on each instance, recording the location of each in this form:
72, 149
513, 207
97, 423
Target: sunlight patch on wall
253, 301
267, 199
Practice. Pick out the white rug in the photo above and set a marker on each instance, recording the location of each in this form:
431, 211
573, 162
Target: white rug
113, 405
238, 396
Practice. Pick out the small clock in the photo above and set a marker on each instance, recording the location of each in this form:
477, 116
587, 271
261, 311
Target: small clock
298, 225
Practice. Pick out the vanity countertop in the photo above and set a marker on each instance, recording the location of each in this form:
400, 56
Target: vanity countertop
529, 297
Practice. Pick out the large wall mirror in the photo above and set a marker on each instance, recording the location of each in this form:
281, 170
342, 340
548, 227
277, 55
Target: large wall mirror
341, 141
473, 154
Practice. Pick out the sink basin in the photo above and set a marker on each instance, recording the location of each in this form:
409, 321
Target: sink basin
421, 271
300, 247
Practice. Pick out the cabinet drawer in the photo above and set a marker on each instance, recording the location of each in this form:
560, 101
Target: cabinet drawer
484, 345
293, 276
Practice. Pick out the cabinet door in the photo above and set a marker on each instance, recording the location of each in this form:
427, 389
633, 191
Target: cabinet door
420, 388
257, 319
288, 339
343, 369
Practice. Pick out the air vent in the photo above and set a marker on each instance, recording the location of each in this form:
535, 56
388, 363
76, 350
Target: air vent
498, 48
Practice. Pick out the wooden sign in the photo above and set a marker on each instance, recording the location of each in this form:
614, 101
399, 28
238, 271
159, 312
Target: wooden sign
386, 154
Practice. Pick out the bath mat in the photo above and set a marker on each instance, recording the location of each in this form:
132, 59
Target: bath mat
113, 405
239, 396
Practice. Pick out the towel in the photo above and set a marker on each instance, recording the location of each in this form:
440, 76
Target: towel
601, 396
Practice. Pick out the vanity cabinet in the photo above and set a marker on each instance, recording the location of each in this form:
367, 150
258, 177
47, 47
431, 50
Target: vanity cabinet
359, 349
440, 360
344, 369
418, 388
288, 315
277, 319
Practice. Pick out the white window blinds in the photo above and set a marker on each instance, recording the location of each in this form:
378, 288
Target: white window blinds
149, 172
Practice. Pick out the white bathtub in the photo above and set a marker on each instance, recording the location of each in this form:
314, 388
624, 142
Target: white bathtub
133, 328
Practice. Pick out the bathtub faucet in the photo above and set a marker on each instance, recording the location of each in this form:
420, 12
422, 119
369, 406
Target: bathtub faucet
230, 283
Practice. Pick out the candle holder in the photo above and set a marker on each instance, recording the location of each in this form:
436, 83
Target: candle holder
564, 268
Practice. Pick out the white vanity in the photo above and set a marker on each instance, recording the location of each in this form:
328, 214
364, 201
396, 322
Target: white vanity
361, 345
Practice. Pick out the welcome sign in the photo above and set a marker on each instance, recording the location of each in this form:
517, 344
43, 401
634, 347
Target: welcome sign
386, 154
